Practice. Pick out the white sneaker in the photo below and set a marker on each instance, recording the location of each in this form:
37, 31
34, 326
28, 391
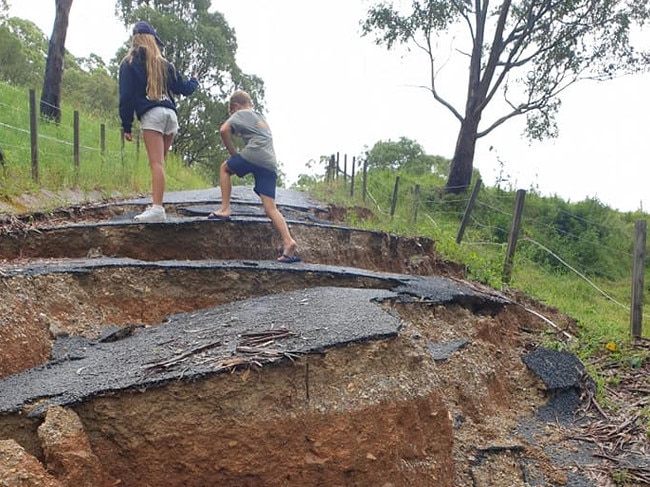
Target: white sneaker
154, 213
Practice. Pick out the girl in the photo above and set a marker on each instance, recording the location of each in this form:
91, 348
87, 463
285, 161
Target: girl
148, 83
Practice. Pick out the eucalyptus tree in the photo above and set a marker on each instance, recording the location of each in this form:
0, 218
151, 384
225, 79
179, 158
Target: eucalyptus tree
23, 51
51, 93
405, 154
197, 41
518, 55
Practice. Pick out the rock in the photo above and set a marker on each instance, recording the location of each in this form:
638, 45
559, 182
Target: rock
68, 453
19, 468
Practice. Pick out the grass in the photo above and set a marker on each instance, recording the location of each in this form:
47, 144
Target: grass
600, 306
118, 168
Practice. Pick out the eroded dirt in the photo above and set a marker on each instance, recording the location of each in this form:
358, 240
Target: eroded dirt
381, 413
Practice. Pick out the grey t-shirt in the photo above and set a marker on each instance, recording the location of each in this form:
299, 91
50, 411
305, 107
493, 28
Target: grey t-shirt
256, 134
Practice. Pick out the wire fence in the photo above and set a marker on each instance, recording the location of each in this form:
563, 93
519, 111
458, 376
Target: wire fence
607, 255
81, 148
79, 151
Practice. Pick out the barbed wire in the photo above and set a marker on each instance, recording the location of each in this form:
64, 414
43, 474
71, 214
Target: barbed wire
577, 272
383, 192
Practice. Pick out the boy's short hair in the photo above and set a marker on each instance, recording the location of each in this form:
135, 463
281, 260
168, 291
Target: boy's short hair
241, 98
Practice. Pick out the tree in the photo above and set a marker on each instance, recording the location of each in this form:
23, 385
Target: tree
23, 49
12, 59
405, 154
197, 41
88, 82
527, 51
51, 93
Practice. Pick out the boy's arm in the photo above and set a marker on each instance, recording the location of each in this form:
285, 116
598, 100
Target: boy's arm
226, 136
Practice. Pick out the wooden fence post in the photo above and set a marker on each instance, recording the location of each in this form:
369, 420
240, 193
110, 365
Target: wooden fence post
365, 179
394, 202
33, 132
122, 145
345, 168
354, 160
638, 269
336, 172
416, 203
514, 235
75, 138
102, 140
468, 211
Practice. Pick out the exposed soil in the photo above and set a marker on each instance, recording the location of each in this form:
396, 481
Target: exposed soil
380, 412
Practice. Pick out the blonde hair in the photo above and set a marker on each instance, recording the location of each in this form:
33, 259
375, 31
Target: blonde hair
241, 98
156, 64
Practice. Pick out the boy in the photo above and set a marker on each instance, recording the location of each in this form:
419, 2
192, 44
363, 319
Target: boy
257, 158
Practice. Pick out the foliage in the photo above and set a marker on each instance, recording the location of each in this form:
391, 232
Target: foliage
119, 169
87, 83
573, 256
405, 154
202, 42
23, 48
520, 57
590, 234
196, 41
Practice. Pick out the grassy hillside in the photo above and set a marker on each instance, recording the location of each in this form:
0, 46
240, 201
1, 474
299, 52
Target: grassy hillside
119, 168
574, 257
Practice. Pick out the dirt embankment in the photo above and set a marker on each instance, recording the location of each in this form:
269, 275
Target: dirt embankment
444, 399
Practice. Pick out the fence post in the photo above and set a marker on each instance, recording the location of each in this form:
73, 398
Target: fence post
354, 159
638, 268
416, 203
468, 211
102, 140
345, 168
514, 235
330, 168
365, 179
394, 202
338, 166
122, 144
33, 132
76, 139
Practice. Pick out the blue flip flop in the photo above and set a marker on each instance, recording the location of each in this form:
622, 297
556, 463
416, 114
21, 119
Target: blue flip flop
288, 259
214, 216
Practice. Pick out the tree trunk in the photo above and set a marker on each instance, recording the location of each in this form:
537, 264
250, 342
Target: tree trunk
51, 93
462, 164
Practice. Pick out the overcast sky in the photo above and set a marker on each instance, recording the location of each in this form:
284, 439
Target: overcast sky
329, 90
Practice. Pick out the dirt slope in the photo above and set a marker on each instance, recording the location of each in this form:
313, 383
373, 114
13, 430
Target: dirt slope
451, 397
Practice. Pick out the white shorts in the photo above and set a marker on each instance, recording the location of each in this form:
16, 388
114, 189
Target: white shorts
160, 119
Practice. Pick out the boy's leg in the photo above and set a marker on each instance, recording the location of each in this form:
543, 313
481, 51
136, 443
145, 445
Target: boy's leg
289, 245
225, 184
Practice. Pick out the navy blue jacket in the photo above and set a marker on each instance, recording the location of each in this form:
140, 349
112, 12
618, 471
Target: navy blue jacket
133, 90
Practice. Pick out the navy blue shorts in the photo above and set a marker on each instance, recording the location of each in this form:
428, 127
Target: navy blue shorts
265, 179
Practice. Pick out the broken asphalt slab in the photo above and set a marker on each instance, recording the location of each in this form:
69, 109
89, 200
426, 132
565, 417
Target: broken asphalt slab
242, 195
191, 345
313, 319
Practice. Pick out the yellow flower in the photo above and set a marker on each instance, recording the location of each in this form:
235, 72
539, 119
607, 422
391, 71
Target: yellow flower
611, 346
